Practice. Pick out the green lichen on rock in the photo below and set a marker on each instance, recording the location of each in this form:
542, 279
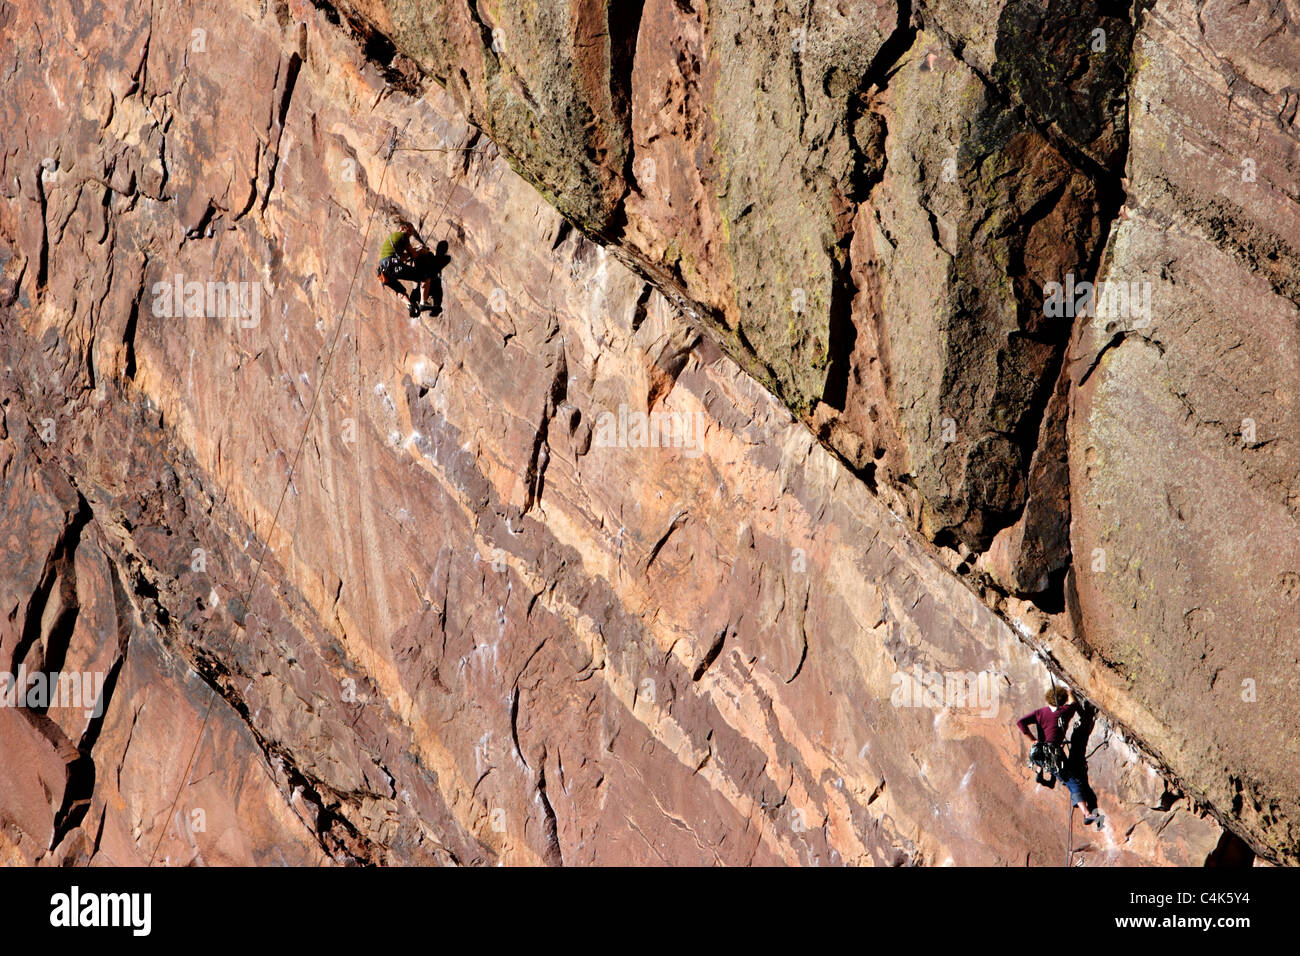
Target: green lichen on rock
1067, 63
983, 211
548, 81
785, 80
787, 142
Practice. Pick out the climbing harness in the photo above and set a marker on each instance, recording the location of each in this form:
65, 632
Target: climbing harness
1046, 757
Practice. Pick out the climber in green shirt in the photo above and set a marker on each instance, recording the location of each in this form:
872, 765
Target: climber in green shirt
394, 245
405, 256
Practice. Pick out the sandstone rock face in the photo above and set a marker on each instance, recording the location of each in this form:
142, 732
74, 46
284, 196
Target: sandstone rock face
564, 575
970, 364
864, 219
1184, 462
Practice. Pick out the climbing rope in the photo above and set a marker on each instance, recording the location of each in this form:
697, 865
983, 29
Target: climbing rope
365, 550
390, 149
442, 212
361, 523
1069, 832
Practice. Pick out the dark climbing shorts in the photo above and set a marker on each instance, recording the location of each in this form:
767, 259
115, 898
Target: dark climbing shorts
395, 268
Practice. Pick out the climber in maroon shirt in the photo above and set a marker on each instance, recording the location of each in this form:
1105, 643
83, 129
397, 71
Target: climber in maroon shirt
1052, 720
1048, 752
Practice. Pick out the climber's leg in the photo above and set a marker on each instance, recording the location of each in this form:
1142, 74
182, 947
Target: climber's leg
427, 298
1082, 795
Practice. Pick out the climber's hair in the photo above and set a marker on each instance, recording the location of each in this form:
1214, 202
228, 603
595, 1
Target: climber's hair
1056, 696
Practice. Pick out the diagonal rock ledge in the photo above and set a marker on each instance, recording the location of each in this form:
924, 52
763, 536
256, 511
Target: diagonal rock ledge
607, 586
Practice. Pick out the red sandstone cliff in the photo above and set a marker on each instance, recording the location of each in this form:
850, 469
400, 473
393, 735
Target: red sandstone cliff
367, 589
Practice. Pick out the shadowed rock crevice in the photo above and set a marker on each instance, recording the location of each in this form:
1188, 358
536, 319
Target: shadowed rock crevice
53, 635
554, 855
377, 46
624, 30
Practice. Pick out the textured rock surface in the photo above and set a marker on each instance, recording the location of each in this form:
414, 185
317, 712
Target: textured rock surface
393, 595
864, 219
1184, 462
869, 229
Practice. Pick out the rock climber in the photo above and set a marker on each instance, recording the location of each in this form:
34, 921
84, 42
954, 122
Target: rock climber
404, 255
1074, 772
1048, 753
